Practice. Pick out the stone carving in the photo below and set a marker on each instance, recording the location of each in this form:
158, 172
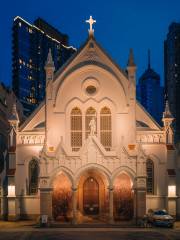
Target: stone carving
92, 126
31, 139
151, 138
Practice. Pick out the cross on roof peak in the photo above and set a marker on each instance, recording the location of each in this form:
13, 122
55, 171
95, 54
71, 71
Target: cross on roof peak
91, 21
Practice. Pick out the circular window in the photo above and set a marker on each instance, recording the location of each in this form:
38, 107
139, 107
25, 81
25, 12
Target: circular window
91, 89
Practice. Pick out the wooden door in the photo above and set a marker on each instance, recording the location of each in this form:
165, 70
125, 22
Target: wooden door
91, 196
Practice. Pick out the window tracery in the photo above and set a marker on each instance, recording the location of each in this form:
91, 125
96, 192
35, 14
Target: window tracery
33, 176
90, 113
106, 128
76, 129
150, 176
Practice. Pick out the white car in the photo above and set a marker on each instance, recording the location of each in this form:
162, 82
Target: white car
160, 218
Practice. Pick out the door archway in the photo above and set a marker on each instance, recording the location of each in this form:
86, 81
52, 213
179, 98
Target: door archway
91, 196
123, 197
62, 198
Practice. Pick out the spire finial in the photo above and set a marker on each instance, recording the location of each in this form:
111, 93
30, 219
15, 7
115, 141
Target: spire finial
149, 59
91, 21
167, 112
13, 118
49, 62
131, 59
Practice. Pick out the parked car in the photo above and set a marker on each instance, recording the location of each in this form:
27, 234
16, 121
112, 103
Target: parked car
160, 218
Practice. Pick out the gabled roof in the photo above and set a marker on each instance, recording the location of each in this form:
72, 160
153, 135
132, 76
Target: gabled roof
76, 54
37, 116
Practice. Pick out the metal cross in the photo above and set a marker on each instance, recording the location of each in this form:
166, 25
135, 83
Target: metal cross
91, 21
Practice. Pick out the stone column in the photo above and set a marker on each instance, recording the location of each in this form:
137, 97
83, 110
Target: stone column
140, 198
111, 215
74, 202
46, 202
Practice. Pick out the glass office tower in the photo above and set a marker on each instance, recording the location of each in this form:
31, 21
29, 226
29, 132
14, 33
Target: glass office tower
31, 44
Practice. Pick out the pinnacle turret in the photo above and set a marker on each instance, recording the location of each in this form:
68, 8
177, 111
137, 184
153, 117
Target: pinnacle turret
49, 61
131, 59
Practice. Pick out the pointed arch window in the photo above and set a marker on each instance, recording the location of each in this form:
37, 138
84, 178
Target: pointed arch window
90, 113
150, 176
106, 128
33, 176
76, 129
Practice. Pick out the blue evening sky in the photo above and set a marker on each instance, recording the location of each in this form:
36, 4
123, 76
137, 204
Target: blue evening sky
121, 24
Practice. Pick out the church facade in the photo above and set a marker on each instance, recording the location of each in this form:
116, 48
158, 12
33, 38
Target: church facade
90, 150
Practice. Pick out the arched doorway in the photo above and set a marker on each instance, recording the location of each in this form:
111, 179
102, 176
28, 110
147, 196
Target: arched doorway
123, 197
62, 198
91, 196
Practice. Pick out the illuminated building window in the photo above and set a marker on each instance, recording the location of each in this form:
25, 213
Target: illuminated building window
20, 61
76, 129
106, 128
33, 176
30, 60
30, 30
90, 113
19, 24
150, 176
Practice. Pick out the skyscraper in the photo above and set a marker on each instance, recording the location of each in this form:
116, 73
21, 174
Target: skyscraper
31, 44
172, 74
150, 92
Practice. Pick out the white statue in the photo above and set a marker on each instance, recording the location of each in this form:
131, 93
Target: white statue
92, 126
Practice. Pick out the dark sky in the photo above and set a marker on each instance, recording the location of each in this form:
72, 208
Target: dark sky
121, 24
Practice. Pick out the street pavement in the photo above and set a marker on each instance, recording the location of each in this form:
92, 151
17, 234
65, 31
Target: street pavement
28, 231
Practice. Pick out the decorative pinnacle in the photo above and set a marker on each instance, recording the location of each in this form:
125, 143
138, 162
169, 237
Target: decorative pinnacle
14, 114
91, 21
131, 59
49, 62
167, 112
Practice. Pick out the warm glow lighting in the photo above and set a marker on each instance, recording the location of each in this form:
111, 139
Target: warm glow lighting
51, 149
171, 191
11, 191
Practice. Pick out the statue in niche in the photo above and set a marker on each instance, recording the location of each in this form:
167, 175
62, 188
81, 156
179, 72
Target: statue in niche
92, 126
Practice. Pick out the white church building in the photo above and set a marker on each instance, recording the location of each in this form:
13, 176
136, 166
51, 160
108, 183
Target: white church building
90, 151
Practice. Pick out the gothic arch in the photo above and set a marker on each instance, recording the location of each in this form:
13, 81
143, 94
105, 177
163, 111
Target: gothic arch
156, 161
60, 83
64, 170
123, 169
101, 169
33, 176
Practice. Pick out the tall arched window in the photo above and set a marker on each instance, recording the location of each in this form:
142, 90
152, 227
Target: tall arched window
150, 176
33, 176
106, 128
76, 129
90, 113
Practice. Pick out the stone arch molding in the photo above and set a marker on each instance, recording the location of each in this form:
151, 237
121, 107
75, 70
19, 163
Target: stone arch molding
84, 105
79, 75
123, 169
97, 167
57, 171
